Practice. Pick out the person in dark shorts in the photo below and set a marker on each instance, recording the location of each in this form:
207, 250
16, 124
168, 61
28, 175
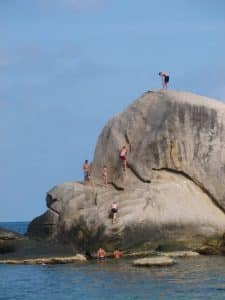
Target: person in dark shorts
101, 254
114, 210
165, 79
86, 169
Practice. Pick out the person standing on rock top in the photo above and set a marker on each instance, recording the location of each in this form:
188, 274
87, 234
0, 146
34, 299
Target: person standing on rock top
165, 79
123, 158
86, 169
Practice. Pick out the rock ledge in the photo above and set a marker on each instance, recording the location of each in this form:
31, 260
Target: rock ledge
153, 261
45, 261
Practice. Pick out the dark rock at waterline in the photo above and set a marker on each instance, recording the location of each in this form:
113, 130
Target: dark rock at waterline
6, 234
31, 249
44, 226
9, 240
213, 247
173, 191
17, 246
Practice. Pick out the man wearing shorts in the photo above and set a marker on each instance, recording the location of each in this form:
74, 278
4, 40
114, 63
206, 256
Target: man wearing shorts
114, 210
101, 254
165, 79
86, 169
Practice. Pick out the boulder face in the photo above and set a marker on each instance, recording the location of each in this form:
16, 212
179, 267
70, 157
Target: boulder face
172, 191
170, 130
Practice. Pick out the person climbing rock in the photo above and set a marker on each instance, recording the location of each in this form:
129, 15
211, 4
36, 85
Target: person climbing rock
86, 169
165, 79
114, 210
101, 254
123, 158
105, 176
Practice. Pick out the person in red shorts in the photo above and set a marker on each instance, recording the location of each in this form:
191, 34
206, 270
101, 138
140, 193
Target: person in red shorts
117, 254
114, 210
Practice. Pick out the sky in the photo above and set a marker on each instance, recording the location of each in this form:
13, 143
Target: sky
68, 66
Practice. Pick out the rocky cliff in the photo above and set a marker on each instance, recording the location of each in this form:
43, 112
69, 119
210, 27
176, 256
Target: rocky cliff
172, 192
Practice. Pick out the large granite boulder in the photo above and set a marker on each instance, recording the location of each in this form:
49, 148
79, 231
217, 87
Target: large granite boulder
172, 192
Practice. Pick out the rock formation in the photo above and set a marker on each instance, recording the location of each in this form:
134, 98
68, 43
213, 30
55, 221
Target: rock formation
8, 240
46, 261
153, 261
172, 192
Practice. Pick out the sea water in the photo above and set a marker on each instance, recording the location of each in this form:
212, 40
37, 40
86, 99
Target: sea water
20, 227
190, 278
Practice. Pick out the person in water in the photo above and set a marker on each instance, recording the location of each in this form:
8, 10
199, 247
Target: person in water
105, 176
165, 79
101, 254
117, 254
123, 158
114, 210
86, 169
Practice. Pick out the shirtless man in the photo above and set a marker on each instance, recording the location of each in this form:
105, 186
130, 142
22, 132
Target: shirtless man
114, 210
86, 169
165, 79
105, 176
101, 254
123, 154
117, 254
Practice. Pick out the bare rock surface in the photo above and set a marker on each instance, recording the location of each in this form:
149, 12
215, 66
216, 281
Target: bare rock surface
173, 190
46, 260
153, 261
180, 254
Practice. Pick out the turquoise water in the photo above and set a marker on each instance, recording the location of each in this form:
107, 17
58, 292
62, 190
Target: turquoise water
191, 278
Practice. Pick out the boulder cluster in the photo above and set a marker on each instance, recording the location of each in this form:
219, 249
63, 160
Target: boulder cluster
172, 194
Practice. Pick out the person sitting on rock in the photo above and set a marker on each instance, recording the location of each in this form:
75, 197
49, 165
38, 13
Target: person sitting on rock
101, 254
123, 154
86, 169
117, 254
165, 79
105, 176
114, 210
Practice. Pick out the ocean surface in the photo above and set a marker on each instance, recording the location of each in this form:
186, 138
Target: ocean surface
20, 227
191, 278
